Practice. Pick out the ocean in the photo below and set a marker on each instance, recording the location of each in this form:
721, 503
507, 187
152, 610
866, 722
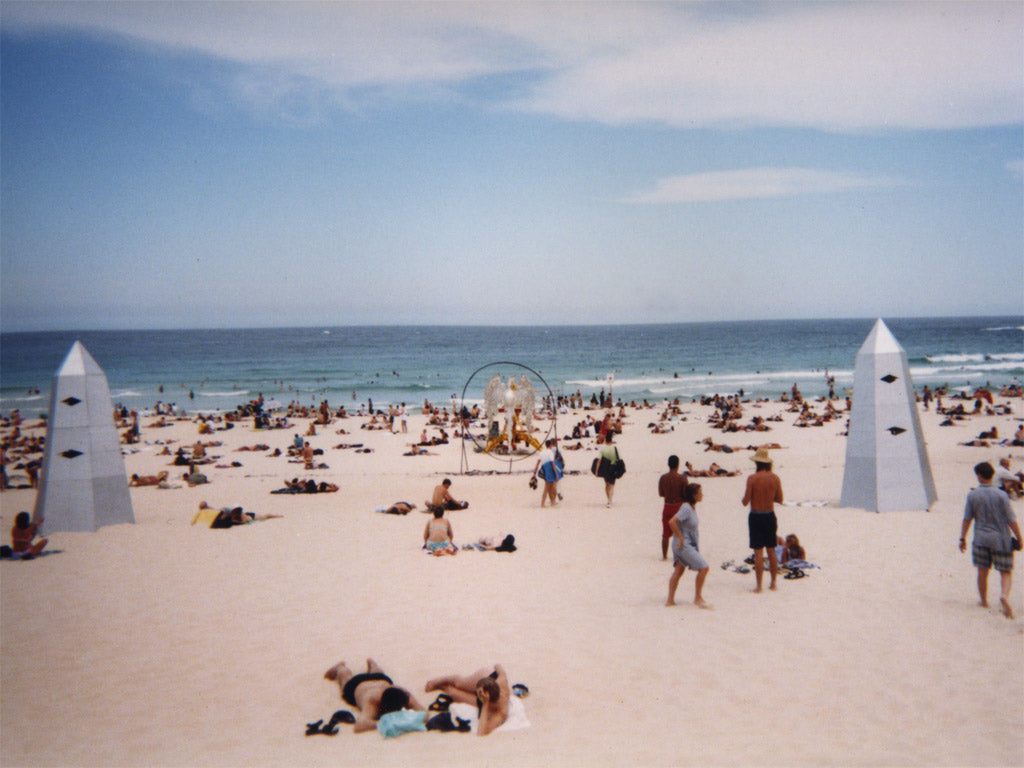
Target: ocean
214, 370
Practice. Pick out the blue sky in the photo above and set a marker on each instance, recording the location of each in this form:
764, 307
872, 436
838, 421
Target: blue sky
171, 165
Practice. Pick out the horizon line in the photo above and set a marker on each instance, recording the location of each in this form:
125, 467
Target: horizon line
503, 325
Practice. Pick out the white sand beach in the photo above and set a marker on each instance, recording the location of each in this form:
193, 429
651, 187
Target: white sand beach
170, 644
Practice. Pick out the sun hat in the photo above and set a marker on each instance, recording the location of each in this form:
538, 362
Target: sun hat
761, 456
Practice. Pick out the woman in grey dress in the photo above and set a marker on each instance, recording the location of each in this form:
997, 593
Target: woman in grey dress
685, 546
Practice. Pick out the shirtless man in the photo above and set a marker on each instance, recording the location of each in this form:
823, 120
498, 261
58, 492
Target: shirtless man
442, 498
764, 491
371, 692
488, 690
307, 455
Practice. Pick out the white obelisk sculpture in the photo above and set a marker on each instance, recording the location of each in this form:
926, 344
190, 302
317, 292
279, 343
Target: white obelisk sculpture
83, 484
887, 465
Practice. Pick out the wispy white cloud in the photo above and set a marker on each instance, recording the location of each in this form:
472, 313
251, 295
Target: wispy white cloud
752, 183
833, 66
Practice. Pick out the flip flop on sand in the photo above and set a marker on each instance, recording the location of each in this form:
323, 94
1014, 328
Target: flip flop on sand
520, 690
313, 728
796, 573
342, 716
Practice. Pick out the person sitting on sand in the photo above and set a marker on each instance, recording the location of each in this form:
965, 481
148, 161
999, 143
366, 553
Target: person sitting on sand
141, 480
442, 498
22, 534
372, 693
437, 536
1018, 436
1012, 484
194, 478
789, 549
488, 690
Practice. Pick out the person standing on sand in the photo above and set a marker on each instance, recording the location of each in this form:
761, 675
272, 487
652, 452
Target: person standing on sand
990, 510
608, 467
552, 470
764, 491
307, 455
685, 546
670, 487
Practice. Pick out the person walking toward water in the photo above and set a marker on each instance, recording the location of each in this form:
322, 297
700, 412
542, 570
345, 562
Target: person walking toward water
685, 546
990, 510
548, 465
764, 491
670, 487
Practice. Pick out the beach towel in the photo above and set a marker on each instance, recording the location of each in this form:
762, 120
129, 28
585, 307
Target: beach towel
517, 719
205, 516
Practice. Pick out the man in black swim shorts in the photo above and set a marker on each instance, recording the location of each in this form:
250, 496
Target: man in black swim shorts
763, 492
372, 693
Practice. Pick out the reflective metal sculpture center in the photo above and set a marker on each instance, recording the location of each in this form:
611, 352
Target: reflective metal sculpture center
509, 414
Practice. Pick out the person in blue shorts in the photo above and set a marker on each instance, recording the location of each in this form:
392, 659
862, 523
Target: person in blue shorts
551, 470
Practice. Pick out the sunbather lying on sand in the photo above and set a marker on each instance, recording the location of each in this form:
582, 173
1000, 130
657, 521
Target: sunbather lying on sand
141, 480
372, 692
487, 689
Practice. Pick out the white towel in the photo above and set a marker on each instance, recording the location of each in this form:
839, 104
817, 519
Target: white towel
516, 715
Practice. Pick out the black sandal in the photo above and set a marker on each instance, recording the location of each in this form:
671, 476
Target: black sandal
313, 728
342, 716
440, 704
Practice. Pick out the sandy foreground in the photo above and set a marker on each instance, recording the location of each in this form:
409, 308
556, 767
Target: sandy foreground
168, 644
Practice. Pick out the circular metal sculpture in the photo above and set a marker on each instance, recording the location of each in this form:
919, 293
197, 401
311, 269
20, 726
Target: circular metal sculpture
510, 401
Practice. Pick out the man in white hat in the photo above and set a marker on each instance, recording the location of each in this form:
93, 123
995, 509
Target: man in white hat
764, 491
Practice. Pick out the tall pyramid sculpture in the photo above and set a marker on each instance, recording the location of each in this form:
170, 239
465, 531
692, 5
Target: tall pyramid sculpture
887, 465
83, 484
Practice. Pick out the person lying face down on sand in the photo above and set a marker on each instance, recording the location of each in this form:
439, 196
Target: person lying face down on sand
141, 480
229, 517
487, 689
371, 692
